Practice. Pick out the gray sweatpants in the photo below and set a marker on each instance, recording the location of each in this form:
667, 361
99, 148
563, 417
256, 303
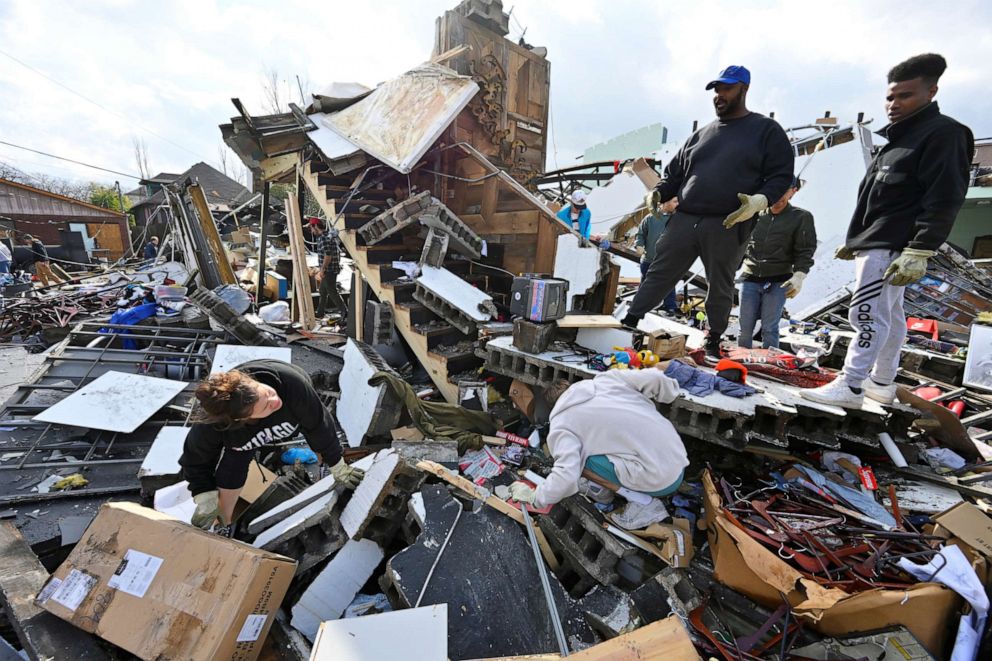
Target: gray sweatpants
687, 237
878, 319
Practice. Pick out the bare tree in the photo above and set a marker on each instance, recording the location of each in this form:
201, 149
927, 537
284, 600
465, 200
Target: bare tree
141, 156
79, 190
222, 157
272, 98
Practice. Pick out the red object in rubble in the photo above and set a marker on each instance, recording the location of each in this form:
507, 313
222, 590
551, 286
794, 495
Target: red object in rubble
929, 326
930, 393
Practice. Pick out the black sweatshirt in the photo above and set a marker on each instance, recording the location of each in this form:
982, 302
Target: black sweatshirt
748, 155
219, 458
916, 185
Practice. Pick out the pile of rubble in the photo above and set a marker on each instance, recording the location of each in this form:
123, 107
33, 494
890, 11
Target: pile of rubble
801, 531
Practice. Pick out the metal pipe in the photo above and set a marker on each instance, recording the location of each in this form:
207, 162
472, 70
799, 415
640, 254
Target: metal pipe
552, 607
263, 239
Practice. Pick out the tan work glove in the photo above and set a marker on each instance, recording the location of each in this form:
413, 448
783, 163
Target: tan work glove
653, 202
522, 493
640, 251
908, 267
750, 205
844, 253
346, 475
207, 509
794, 285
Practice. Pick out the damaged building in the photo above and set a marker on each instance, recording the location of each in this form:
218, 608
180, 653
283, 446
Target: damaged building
801, 530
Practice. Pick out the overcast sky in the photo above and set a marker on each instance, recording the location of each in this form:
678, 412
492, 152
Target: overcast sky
165, 71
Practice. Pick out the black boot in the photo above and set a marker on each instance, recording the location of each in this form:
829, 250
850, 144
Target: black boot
713, 350
630, 321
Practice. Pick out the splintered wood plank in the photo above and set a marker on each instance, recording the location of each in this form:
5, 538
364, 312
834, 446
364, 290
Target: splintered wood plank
589, 321
664, 640
42, 635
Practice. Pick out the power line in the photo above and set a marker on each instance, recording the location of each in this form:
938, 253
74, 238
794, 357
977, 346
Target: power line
62, 158
98, 105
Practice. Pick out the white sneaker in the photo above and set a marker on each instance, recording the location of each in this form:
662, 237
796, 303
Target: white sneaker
881, 394
595, 492
636, 517
837, 393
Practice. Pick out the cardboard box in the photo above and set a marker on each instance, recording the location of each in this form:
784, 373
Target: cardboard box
665, 345
970, 525
745, 565
162, 589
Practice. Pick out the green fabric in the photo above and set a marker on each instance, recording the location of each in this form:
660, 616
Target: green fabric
781, 245
439, 419
601, 465
649, 232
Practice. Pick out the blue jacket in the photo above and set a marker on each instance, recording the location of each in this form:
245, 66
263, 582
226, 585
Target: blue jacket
151, 250
585, 220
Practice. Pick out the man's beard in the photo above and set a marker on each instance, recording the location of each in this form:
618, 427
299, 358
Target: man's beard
732, 105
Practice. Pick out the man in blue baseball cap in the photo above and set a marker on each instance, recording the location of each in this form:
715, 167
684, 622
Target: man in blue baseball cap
723, 176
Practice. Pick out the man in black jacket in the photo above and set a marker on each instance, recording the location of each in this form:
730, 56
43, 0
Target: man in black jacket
724, 174
907, 203
260, 403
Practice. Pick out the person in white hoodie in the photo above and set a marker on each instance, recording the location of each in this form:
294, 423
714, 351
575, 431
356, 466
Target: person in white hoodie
610, 425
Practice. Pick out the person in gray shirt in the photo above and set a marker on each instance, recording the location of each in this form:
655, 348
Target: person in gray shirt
724, 174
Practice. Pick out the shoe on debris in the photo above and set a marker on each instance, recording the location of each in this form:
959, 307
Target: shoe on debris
878, 392
712, 347
837, 393
635, 516
595, 492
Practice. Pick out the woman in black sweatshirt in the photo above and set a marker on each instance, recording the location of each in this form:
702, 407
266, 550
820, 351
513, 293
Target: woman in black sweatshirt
261, 402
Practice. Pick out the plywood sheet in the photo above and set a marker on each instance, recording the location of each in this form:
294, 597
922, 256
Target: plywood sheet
115, 402
402, 118
588, 321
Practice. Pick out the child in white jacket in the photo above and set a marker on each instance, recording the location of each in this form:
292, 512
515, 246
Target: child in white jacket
610, 424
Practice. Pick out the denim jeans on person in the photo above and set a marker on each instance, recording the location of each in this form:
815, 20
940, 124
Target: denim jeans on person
764, 301
670, 304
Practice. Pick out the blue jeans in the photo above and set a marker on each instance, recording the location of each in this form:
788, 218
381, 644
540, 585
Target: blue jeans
602, 466
5, 266
670, 304
764, 300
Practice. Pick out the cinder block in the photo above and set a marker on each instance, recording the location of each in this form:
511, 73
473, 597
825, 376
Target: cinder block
378, 506
531, 336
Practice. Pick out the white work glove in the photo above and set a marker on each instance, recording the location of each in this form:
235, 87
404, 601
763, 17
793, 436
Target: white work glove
522, 493
908, 267
844, 253
346, 475
207, 509
653, 202
794, 285
750, 205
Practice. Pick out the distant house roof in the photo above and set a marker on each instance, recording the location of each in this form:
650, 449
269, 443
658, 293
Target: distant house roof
24, 203
219, 189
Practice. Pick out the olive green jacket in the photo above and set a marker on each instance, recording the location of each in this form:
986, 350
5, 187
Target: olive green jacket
781, 244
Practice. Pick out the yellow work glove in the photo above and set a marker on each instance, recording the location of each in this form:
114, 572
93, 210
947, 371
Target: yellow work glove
653, 202
794, 285
522, 493
750, 205
844, 253
908, 267
207, 509
346, 475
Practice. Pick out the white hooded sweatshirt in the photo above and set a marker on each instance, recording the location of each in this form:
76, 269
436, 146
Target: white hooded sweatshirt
613, 414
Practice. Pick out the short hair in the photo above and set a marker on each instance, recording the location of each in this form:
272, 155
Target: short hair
226, 399
928, 66
27, 237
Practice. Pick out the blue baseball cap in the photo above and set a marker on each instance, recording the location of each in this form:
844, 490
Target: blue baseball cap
730, 75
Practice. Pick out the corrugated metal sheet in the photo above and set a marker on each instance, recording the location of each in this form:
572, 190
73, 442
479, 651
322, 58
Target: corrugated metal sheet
399, 121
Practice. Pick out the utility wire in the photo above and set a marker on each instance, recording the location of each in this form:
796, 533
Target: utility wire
101, 107
70, 160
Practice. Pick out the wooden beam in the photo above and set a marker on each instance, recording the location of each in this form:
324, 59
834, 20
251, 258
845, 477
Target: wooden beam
664, 640
301, 274
199, 200
42, 635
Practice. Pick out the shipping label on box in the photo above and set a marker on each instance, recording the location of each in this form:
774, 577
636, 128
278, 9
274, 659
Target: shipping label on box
162, 589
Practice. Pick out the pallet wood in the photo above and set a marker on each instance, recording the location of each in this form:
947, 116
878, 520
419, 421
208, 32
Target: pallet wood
42, 635
663, 640
206, 220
